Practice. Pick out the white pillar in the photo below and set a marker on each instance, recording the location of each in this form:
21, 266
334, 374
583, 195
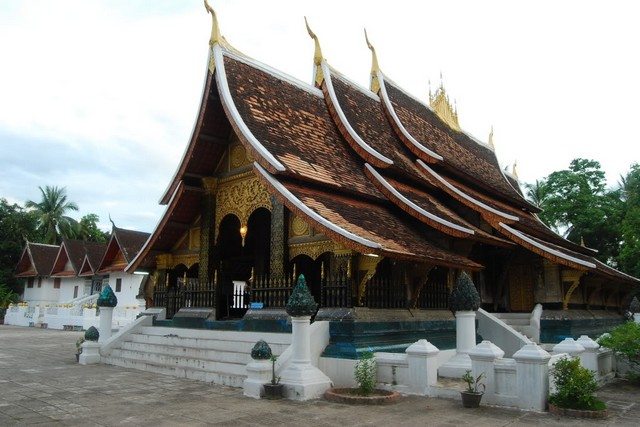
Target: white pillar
258, 374
106, 319
532, 373
569, 346
423, 366
483, 357
90, 353
589, 358
302, 380
465, 341
636, 317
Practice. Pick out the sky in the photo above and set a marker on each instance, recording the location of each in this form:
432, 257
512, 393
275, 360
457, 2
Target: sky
101, 96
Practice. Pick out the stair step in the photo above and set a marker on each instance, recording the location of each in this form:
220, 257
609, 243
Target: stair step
504, 316
207, 334
171, 340
227, 356
177, 371
237, 369
521, 322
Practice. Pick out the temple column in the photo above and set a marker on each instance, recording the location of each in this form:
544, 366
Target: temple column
207, 230
276, 267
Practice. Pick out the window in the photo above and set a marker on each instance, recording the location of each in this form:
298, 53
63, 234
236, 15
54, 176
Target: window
75, 292
39, 282
30, 282
118, 285
56, 283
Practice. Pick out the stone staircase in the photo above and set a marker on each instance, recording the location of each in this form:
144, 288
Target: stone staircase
213, 356
518, 321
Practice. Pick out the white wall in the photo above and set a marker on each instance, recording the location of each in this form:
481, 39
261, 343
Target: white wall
67, 286
129, 289
45, 294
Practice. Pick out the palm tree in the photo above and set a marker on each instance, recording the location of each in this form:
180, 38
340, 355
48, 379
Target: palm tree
537, 193
51, 213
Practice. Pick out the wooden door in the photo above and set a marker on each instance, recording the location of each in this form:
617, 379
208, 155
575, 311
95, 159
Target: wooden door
521, 283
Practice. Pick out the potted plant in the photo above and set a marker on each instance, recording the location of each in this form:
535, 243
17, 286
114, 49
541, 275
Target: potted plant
273, 390
472, 396
79, 348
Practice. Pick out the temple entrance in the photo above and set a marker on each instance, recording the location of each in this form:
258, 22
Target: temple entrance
521, 287
312, 271
240, 258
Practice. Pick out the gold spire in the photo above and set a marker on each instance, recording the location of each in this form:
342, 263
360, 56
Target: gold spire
374, 84
317, 54
491, 144
440, 104
514, 169
215, 28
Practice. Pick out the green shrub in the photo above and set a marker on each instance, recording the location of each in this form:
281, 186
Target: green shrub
624, 340
575, 386
365, 373
464, 296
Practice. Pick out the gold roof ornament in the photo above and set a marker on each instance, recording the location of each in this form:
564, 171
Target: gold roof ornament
317, 55
215, 28
374, 84
514, 169
490, 142
440, 104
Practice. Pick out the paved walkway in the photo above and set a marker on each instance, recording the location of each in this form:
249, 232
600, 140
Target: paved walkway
40, 383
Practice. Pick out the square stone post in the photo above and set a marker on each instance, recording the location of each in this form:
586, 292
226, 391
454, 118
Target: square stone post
483, 358
106, 321
423, 367
90, 353
465, 341
258, 374
589, 358
569, 346
532, 374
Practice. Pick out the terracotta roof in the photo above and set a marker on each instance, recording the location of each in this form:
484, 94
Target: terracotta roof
37, 260
130, 241
94, 253
362, 225
294, 125
466, 157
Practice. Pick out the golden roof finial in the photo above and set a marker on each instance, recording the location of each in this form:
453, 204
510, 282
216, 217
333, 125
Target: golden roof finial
375, 67
491, 144
215, 28
514, 169
440, 104
317, 54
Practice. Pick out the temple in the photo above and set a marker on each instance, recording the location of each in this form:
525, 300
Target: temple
377, 197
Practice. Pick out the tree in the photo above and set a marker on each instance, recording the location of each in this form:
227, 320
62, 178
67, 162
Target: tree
16, 226
51, 213
537, 193
87, 229
577, 202
629, 258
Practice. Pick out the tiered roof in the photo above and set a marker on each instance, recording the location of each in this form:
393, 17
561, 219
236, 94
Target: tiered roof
36, 260
375, 170
122, 248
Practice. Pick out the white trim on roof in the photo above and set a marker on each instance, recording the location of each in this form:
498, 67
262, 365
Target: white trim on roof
334, 99
275, 73
465, 195
357, 86
546, 248
223, 86
414, 206
396, 120
313, 214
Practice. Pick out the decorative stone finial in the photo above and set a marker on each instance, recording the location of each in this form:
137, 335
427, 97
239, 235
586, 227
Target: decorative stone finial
215, 28
261, 351
464, 296
107, 298
92, 334
301, 302
491, 143
317, 55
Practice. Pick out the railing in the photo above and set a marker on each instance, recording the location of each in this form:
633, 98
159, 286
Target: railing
335, 291
273, 292
434, 295
382, 292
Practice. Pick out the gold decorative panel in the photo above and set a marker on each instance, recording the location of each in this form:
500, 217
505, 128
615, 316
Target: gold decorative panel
194, 238
238, 156
240, 195
299, 227
166, 261
313, 249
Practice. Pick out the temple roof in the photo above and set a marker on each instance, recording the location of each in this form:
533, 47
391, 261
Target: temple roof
91, 260
122, 248
72, 251
369, 170
37, 260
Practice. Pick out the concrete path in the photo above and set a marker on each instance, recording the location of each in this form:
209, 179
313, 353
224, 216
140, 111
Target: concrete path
40, 383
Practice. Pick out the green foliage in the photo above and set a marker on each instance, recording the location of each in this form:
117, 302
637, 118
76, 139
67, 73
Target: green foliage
301, 302
575, 386
79, 343
87, 229
274, 380
16, 226
365, 373
473, 384
92, 334
51, 210
107, 298
634, 306
464, 296
624, 340
261, 351
7, 296
629, 258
